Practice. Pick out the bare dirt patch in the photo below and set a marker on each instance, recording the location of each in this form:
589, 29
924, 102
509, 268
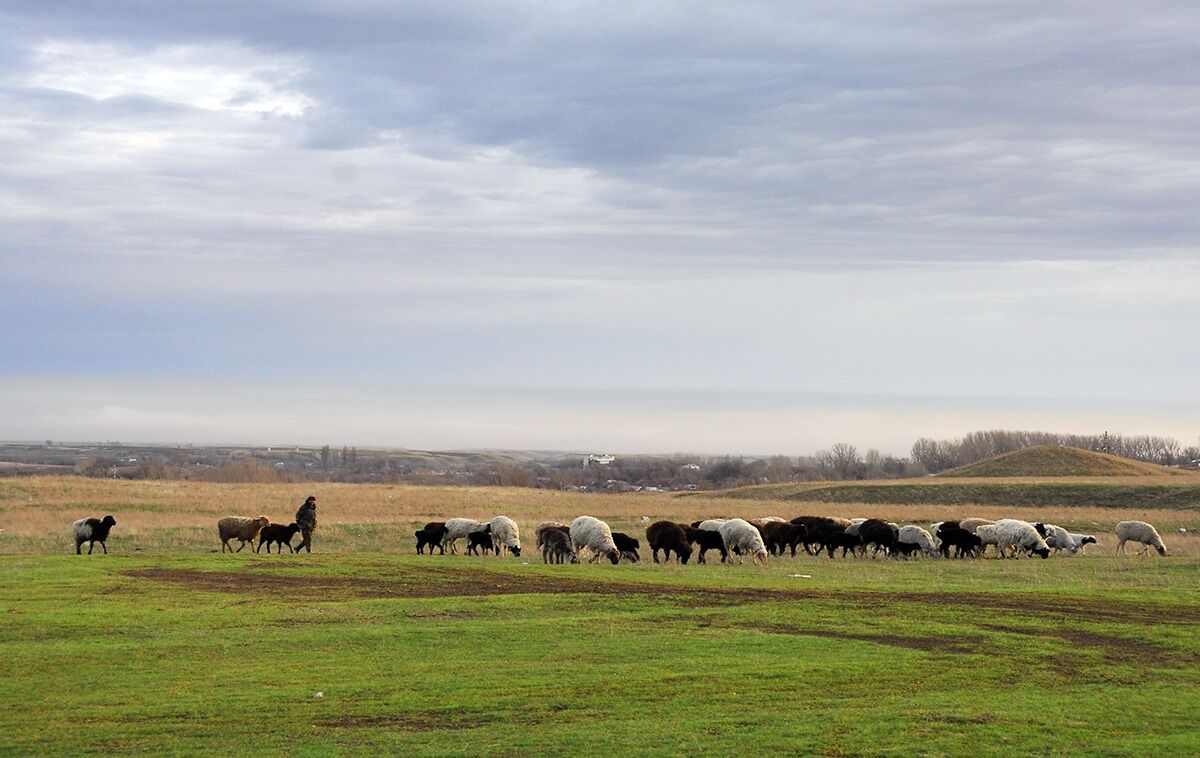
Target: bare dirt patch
1113, 650
437, 582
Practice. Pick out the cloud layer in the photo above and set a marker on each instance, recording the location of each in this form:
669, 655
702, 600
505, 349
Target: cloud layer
994, 200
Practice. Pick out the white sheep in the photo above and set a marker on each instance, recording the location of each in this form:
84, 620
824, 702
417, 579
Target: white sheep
460, 527
741, 536
1059, 539
1139, 531
1019, 535
915, 535
506, 535
1082, 540
242, 529
595, 535
712, 524
987, 535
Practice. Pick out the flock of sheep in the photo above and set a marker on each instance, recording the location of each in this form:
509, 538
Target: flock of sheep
757, 538
771, 535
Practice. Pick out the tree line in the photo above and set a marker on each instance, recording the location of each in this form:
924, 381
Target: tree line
940, 455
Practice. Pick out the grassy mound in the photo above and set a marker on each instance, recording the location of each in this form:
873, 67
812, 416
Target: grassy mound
1057, 460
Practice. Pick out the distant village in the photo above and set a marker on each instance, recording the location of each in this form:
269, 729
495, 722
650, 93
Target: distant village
575, 471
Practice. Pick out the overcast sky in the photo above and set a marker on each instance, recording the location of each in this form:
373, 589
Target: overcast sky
746, 227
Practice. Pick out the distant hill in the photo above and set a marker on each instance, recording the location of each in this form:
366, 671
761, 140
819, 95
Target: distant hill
1057, 460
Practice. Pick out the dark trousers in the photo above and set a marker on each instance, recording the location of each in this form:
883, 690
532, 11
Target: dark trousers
307, 543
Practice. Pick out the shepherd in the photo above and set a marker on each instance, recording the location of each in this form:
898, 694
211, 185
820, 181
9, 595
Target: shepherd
306, 517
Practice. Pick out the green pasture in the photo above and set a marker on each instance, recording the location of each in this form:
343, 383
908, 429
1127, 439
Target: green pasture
219, 654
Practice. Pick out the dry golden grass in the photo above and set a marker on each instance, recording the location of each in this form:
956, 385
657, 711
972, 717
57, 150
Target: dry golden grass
35, 513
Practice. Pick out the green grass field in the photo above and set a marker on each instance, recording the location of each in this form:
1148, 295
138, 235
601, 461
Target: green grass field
209, 653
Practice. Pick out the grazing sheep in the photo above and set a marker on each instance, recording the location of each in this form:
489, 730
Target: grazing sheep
92, 530
971, 524
905, 549
911, 534
279, 535
460, 527
707, 540
668, 536
818, 528
933, 529
556, 547
1082, 540
780, 535
506, 535
881, 534
1016, 535
742, 537
964, 543
988, 535
541, 529
241, 529
432, 534
1138, 531
481, 540
1056, 537
833, 539
628, 546
595, 535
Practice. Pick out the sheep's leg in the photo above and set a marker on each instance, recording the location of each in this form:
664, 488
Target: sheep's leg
1143, 551
78, 547
105, 547
240, 547
92, 546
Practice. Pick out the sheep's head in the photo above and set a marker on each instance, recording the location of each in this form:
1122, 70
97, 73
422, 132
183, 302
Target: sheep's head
516, 550
263, 520
1042, 551
614, 556
109, 521
1161, 549
761, 556
685, 552
574, 557
1088, 540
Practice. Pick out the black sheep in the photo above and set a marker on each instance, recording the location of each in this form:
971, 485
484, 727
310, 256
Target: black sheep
707, 540
481, 540
432, 534
668, 536
557, 547
92, 530
778, 536
628, 546
819, 530
279, 534
964, 542
832, 540
905, 549
881, 534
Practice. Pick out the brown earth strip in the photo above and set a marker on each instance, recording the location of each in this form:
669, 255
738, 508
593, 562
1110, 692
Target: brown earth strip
1114, 650
439, 582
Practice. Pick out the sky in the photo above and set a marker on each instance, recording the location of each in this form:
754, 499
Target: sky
706, 227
